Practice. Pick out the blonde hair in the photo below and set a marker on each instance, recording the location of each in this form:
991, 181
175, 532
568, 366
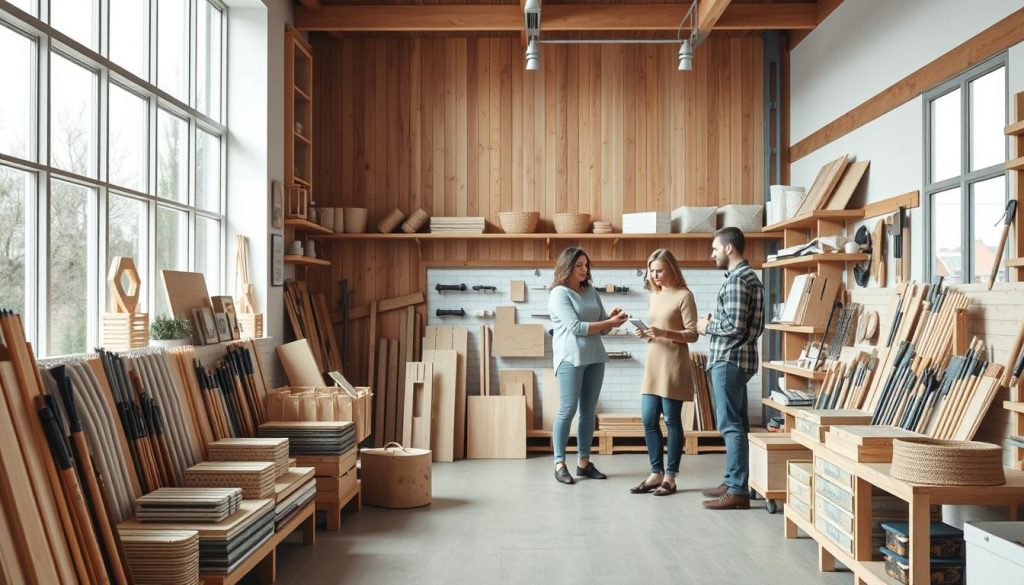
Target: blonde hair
566, 263
671, 265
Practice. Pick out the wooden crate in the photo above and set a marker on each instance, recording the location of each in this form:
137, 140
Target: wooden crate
812, 424
769, 455
124, 331
328, 465
333, 489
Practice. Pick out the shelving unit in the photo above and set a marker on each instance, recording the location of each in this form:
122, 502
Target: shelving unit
789, 369
1015, 166
304, 261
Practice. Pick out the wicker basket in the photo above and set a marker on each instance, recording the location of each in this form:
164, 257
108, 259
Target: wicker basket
519, 222
939, 462
572, 223
416, 221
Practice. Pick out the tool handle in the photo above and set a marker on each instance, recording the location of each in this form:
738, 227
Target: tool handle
451, 313
58, 448
484, 288
67, 392
453, 287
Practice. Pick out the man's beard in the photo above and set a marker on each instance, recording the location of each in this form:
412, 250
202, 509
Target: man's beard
721, 262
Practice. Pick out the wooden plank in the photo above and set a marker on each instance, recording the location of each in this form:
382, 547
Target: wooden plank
512, 340
383, 306
184, 291
523, 379
517, 291
442, 436
381, 398
549, 404
708, 13
419, 384
994, 39
908, 200
297, 361
372, 353
390, 422
509, 17
496, 429
847, 185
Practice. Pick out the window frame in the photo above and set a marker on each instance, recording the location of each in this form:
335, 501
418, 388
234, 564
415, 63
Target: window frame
48, 39
966, 179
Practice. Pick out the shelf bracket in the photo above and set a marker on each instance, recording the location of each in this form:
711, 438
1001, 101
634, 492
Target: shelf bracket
615, 245
547, 248
419, 247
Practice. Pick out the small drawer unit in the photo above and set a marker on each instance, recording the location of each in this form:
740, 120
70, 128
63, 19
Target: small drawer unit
800, 493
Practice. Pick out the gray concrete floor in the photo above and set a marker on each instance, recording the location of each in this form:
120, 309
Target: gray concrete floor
508, 521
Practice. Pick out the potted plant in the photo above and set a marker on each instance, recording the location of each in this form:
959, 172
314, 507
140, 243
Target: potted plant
167, 332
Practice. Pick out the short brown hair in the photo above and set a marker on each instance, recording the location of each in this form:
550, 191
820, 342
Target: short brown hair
732, 235
565, 264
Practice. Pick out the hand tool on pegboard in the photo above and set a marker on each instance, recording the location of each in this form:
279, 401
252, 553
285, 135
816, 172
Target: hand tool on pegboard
450, 287
1007, 219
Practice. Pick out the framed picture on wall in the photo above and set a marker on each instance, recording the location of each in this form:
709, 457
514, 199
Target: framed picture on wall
276, 260
276, 205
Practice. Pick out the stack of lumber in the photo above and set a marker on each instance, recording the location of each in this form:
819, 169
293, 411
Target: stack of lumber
313, 438
225, 545
188, 504
162, 557
703, 396
274, 450
624, 423
255, 478
310, 319
390, 363
457, 225
834, 185
865, 443
292, 492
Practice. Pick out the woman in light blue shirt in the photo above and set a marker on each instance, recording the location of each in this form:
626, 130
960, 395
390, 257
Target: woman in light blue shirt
580, 320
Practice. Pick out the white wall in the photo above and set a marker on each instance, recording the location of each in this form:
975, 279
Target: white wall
256, 140
861, 49
865, 46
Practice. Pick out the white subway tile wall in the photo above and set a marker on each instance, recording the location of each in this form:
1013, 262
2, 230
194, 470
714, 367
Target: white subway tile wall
621, 391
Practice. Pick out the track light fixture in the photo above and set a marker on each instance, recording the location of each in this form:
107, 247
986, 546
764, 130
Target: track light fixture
531, 24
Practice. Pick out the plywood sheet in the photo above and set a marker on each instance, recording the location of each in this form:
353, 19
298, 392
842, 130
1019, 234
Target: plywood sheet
524, 378
442, 434
184, 291
496, 428
512, 340
823, 185
299, 365
457, 338
517, 291
847, 185
419, 384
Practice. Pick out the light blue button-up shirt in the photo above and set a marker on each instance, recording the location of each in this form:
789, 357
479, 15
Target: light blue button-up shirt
572, 315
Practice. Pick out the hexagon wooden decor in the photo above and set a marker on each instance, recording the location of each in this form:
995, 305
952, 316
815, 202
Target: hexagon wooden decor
124, 301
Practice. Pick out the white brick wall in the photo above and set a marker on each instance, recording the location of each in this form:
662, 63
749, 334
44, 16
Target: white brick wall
622, 377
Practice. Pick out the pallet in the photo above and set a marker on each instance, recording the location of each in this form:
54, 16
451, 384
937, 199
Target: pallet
539, 441
697, 442
333, 509
265, 557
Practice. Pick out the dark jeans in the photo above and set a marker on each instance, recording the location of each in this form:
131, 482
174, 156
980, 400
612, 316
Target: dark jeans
651, 407
730, 387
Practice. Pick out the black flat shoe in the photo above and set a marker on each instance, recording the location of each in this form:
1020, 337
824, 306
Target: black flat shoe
562, 476
590, 471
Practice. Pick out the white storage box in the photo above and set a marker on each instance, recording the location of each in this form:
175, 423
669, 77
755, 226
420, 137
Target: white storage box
690, 220
994, 552
649, 222
748, 218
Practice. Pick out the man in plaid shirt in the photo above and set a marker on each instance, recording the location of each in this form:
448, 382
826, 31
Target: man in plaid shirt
734, 330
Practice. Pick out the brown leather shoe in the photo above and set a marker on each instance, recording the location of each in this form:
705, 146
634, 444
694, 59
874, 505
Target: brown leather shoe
728, 501
715, 492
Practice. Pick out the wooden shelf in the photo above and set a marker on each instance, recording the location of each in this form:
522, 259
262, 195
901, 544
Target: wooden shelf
1014, 406
1015, 129
809, 220
788, 369
1015, 262
795, 328
1016, 164
303, 261
307, 226
813, 259
537, 236
302, 93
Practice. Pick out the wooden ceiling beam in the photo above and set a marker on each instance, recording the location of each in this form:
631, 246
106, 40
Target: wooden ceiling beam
708, 13
555, 18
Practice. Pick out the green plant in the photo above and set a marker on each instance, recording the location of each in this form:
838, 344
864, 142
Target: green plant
164, 327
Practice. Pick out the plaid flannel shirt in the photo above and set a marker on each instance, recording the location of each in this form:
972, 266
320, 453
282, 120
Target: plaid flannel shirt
738, 321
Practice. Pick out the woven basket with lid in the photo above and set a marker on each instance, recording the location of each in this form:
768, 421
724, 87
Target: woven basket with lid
939, 462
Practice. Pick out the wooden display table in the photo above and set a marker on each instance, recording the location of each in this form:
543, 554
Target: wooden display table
788, 412
920, 499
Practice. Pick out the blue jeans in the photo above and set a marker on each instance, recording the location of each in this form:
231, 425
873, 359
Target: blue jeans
730, 387
651, 407
576, 386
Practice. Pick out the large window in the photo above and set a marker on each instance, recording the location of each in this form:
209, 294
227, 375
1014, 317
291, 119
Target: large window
965, 184
111, 144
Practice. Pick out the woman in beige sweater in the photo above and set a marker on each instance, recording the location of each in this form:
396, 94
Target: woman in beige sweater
668, 382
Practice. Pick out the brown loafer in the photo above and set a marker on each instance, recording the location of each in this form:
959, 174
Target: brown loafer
665, 489
728, 501
715, 492
643, 487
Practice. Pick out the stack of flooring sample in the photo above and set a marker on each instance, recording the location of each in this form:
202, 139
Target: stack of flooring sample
624, 423
274, 450
162, 557
457, 225
188, 504
293, 492
225, 545
255, 478
652, 222
313, 438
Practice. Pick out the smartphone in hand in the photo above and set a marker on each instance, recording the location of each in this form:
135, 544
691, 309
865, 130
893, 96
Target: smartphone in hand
639, 324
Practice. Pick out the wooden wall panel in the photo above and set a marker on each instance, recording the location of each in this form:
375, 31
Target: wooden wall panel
456, 126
